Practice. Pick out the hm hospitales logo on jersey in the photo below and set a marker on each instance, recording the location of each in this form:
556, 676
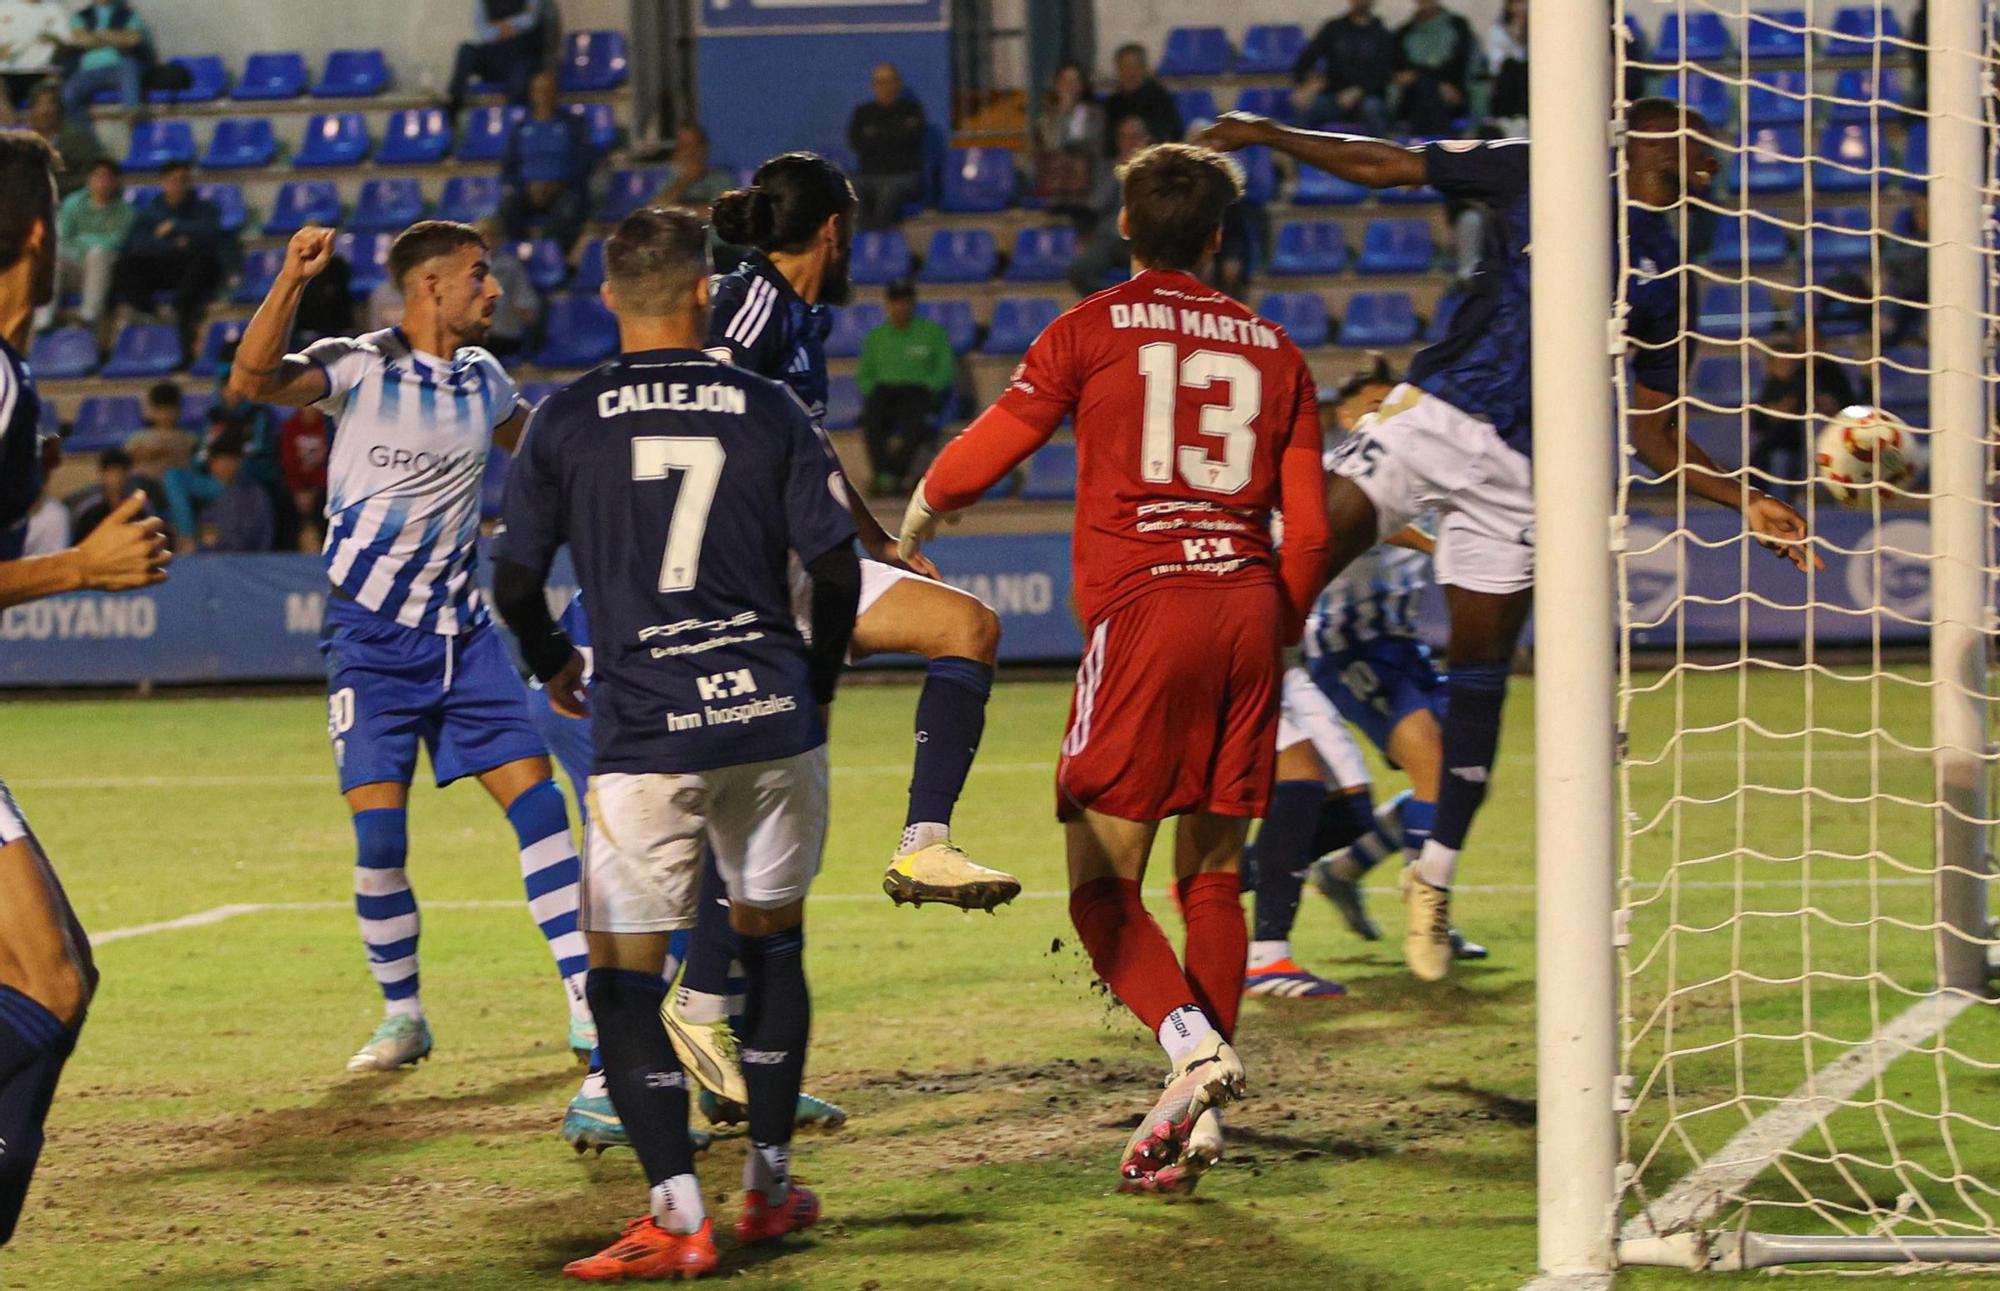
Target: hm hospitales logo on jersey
734, 684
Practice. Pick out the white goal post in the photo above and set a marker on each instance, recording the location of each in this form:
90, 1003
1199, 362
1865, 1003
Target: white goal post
1764, 1028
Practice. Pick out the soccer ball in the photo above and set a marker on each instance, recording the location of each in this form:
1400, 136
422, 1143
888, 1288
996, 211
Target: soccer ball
1863, 446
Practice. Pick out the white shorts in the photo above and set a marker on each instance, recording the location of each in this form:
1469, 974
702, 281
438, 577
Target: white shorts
13, 825
1421, 454
1306, 715
642, 858
876, 580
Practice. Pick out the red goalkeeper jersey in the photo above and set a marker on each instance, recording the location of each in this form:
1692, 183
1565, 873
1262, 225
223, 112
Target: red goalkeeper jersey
1195, 420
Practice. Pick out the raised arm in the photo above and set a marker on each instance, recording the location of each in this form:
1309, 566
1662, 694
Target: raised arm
1354, 158
261, 371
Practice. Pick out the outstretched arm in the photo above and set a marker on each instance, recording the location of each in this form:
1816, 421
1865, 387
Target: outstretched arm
261, 371
1658, 440
981, 456
1354, 158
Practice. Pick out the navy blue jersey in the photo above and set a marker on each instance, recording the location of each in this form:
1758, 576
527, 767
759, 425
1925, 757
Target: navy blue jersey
682, 485
20, 450
759, 323
1660, 297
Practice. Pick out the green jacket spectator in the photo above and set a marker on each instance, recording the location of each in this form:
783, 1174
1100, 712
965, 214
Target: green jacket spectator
907, 369
916, 354
83, 223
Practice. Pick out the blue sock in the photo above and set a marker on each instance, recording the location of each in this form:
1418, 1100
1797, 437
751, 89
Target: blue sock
642, 1074
1284, 850
1418, 816
34, 1045
551, 874
777, 1020
711, 948
386, 906
1380, 838
1476, 694
677, 944
951, 718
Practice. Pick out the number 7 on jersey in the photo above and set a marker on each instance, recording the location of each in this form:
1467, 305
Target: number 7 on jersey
656, 457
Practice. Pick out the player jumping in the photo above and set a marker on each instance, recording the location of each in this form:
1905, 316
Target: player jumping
1455, 437
683, 486
47, 975
411, 655
1194, 420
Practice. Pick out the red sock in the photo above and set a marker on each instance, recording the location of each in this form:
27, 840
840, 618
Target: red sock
1218, 944
1128, 950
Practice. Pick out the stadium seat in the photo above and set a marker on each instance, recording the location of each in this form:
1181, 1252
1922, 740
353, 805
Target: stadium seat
1318, 187
589, 274
1747, 239
334, 139
367, 256
1777, 98
1697, 38
1309, 246
1776, 33
144, 350
1857, 35
493, 482
1274, 101
593, 60
63, 354
955, 317
1270, 48
1378, 319
1196, 51
1410, 195
843, 403
1041, 255
353, 74
271, 76
208, 80
602, 122
1447, 309
959, 255
240, 143
1301, 313
1771, 160
879, 258
228, 199
103, 421
1260, 177
1713, 98
1730, 311
484, 134
978, 179
1916, 162
158, 144
1847, 157
301, 202
1051, 474
580, 333
195, 407
544, 261
469, 198
1718, 380
1396, 246
1017, 321
260, 270
1848, 241
630, 190
850, 324
1862, 96
392, 204
221, 334
415, 137
1196, 105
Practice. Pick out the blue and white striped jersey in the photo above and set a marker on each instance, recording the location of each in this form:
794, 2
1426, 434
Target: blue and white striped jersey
20, 450
410, 438
1373, 598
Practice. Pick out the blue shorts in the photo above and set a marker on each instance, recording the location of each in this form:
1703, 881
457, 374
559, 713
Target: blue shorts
1379, 683
390, 687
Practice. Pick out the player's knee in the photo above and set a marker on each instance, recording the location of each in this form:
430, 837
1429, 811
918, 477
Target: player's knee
974, 632
59, 983
766, 921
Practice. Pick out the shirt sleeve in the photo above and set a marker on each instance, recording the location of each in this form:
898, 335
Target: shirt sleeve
746, 325
816, 514
345, 364
533, 513
1302, 494
506, 395
1494, 172
1048, 382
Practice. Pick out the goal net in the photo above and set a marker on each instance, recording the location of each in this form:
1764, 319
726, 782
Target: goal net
1808, 1070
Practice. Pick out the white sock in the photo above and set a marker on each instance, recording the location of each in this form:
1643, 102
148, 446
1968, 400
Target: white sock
700, 1007
767, 1168
409, 1007
677, 1205
594, 1086
1438, 864
921, 835
1183, 1031
1268, 952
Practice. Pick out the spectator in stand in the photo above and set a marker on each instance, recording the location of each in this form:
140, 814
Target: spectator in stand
887, 136
1103, 246
1351, 56
1906, 276
1782, 416
161, 445
241, 518
1069, 140
302, 452
693, 183
517, 316
107, 48
91, 227
32, 35
76, 144
1140, 95
1507, 60
190, 490
545, 169
509, 45
906, 371
115, 482
1434, 53
176, 246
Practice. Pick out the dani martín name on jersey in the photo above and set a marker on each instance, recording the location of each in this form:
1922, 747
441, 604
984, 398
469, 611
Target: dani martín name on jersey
671, 396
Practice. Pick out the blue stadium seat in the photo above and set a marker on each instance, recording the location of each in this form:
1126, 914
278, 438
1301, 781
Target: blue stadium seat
1776, 98
221, 334
271, 76
1747, 239
589, 267
1447, 309
158, 144
1702, 38
880, 258
630, 190
1916, 162
391, 204
1260, 177
1274, 101
1041, 255
1770, 160
144, 350
63, 354
415, 137
483, 137
1378, 319
1196, 105
602, 122
955, 317
1396, 246
1300, 313
1718, 379
1848, 241
960, 255
1857, 33
1713, 98
469, 198
334, 139
978, 179
493, 482
1309, 246
851, 323
1270, 48
1846, 158
843, 403
367, 256
580, 333
228, 199
544, 261
1017, 321
1776, 33
353, 74
208, 80
103, 421
137, 195
241, 143
1730, 311
301, 202
1906, 393
1318, 187
260, 270
593, 60
1196, 51
1051, 474
1862, 96
195, 407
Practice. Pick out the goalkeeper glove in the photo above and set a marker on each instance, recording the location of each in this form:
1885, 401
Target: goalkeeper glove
920, 524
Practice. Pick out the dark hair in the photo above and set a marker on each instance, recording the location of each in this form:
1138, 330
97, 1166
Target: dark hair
1377, 375
176, 168
1175, 194
27, 191
114, 457
163, 394
230, 443
1129, 47
790, 198
1083, 74
654, 258
695, 126
426, 240
107, 163
901, 289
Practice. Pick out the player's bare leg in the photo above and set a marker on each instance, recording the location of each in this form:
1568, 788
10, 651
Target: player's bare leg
961, 638
525, 790
1285, 839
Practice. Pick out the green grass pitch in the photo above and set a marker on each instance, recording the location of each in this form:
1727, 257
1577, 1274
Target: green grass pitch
206, 1136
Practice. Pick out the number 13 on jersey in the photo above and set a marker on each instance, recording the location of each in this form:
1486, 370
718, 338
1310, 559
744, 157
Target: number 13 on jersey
1232, 423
